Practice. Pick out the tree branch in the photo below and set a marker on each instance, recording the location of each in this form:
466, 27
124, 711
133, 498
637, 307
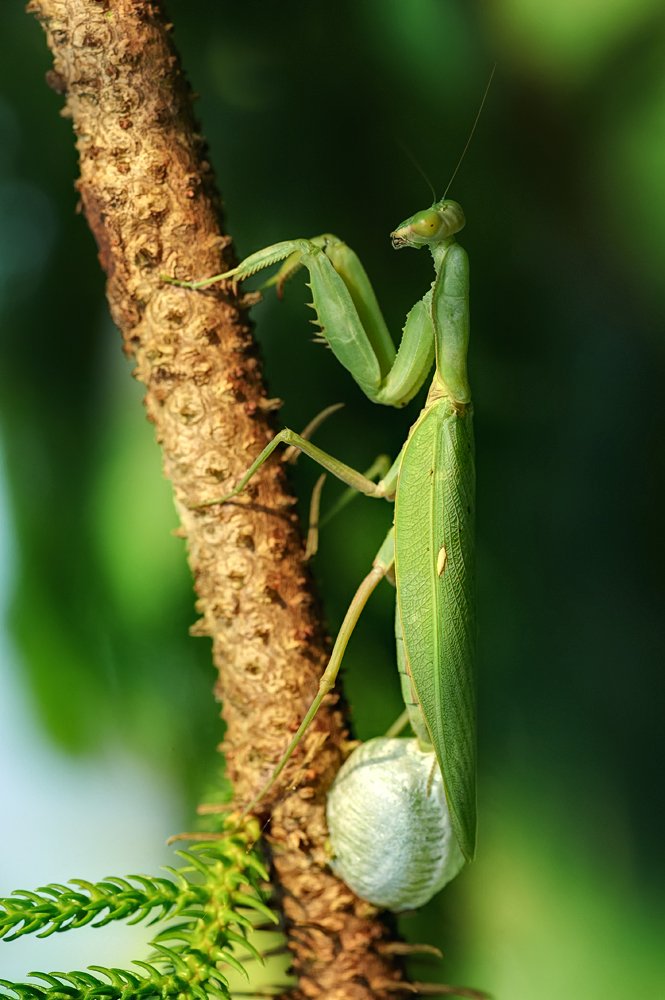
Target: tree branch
147, 192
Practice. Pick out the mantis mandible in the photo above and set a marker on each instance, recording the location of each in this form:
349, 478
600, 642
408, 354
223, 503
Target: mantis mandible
430, 547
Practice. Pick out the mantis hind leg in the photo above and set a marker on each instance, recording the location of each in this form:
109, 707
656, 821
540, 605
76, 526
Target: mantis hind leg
381, 567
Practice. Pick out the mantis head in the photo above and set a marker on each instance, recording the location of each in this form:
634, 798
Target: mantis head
430, 226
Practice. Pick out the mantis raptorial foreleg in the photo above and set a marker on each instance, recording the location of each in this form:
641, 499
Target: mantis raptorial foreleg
350, 318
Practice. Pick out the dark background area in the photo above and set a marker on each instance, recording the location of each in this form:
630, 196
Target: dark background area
307, 109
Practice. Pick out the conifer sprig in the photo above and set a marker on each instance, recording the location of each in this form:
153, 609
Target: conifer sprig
216, 894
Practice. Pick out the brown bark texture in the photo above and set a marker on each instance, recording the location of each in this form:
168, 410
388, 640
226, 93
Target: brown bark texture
148, 195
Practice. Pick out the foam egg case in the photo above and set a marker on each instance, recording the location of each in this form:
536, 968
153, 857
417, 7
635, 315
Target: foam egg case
390, 830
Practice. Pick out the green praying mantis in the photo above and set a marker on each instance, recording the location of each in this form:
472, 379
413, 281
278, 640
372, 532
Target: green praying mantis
402, 813
429, 550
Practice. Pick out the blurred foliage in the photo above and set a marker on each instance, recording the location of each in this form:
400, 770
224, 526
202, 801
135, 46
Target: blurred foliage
307, 110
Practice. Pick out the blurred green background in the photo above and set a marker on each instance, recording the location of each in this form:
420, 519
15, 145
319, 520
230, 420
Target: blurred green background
307, 108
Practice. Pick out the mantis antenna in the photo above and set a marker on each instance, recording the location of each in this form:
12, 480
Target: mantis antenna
405, 149
473, 129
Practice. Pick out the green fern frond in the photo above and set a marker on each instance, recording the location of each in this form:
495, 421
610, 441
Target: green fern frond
215, 892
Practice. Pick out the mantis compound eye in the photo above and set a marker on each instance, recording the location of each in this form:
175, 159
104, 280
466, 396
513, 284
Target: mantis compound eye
427, 225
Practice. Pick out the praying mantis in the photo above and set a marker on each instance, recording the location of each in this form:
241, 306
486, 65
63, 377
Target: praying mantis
429, 549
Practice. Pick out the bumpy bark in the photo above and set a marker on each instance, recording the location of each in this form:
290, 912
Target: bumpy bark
147, 192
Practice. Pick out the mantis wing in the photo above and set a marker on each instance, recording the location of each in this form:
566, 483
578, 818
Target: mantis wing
434, 548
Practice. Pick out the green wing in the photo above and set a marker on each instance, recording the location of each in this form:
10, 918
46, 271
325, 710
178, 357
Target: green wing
434, 548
